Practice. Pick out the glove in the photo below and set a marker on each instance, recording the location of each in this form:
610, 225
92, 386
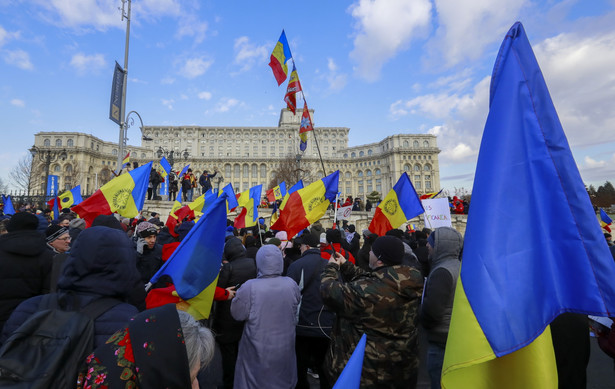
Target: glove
140, 244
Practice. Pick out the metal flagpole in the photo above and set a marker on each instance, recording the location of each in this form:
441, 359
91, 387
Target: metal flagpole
122, 142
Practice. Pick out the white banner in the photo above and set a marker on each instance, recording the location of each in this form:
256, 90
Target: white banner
343, 213
437, 213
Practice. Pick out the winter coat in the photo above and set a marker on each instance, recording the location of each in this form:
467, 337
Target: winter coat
238, 270
445, 265
268, 305
149, 262
314, 318
383, 305
25, 269
102, 263
205, 181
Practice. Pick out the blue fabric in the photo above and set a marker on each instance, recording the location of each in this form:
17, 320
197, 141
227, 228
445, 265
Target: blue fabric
255, 195
331, 185
8, 205
553, 257
232, 199
351, 375
140, 176
195, 264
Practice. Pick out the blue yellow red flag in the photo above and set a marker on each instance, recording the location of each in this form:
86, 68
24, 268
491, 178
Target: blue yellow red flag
195, 264
280, 55
307, 205
509, 292
126, 160
231, 197
350, 378
294, 188
400, 205
294, 86
605, 220
277, 192
305, 126
70, 197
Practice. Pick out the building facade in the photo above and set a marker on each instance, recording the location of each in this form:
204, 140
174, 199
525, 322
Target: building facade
248, 156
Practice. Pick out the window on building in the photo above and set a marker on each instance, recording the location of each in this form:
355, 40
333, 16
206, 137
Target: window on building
379, 185
353, 155
69, 143
254, 171
368, 173
227, 169
377, 171
142, 155
359, 173
427, 184
263, 170
236, 170
425, 143
361, 153
345, 155
46, 143
58, 142
57, 168
406, 144
427, 168
347, 175
415, 143
417, 168
417, 178
417, 185
114, 152
68, 168
360, 186
407, 168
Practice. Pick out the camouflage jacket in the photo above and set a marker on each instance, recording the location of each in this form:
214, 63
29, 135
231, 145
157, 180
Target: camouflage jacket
382, 304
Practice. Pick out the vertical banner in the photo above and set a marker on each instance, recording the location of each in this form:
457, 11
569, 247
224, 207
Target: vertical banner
52, 186
437, 213
163, 189
116, 94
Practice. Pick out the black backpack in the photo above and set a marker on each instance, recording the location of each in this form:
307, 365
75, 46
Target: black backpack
49, 349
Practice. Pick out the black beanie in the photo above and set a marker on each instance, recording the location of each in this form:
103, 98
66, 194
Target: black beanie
334, 236
389, 250
107, 221
22, 221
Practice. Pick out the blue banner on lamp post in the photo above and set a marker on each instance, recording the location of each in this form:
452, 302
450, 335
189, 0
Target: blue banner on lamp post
52, 186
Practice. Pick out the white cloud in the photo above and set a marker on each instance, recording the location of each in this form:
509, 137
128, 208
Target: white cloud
204, 95
168, 103
194, 67
167, 81
19, 58
225, 104
191, 26
592, 163
84, 64
466, 29
247, 54
337, 81
383, 28
100, 14
18, 103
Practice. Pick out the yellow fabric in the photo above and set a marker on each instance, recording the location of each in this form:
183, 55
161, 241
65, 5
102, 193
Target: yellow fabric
392, 210
118, 193
469, 361
244, 198
200, 305
314, 202
66, 204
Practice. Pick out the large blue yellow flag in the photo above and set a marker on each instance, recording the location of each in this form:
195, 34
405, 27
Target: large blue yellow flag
165, 167
201, 203
70, 197
401, 204
249, 200
195, 264
231, 198
351, 375
553, 257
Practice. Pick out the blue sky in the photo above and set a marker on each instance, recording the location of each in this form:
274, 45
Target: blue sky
379, 67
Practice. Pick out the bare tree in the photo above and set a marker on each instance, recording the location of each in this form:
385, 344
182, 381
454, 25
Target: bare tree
3, 186
291, 169
21, 174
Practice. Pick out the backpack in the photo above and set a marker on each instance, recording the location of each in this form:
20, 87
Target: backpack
50, 347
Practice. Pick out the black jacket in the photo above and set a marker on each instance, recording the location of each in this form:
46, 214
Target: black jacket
25, 269
205, 181
149, 262
314, 318
101, 263
238, 270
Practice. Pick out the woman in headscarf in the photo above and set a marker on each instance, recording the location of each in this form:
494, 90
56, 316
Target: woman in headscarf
160, 348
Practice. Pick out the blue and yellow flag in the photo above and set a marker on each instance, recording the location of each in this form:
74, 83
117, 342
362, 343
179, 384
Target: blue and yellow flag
249, 200
553, 258
70, 197
195, 264
166, 167
201, 203
400, 205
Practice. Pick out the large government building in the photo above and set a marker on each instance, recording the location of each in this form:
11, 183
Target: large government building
248, 156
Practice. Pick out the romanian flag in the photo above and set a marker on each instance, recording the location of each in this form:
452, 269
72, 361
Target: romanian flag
605, 220
281, 54
294, 188
431, 195
124, 194
71, 197
201, 203
126, 160
306, 125
351, 375
274, 214
307, 205
164, 168
231, 197
507, 292
195, 264
277, 192
249, 201
400, 205
293, 87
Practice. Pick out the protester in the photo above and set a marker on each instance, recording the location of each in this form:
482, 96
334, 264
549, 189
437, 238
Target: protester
444, 245
58, 239
173, 187
315, 320
352, 238
382, 304
236, 270
149, 253
160, 348
205, 180
268, 305
101, 264
25, 263
334, 244
363, 258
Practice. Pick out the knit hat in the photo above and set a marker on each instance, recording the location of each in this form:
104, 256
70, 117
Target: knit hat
334, 236
366, 233
351, 228
308, 239
183, 229
77, 224
107, 221
54, 231
274, 241
145, 229
22, 221
389, 250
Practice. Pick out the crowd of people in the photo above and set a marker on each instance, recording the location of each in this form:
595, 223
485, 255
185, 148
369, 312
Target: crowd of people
285, 307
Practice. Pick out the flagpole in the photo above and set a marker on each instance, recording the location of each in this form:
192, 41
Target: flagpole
335, 208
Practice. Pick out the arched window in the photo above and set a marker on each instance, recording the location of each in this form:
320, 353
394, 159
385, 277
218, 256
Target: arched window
415, 143
368, 173
69, 143
425, 143
254, 170
46, 143
246, 170
345, 155
361, 153
142, 155
227, 169
348, 175
68, 168
236, 170
353, 154
58, 142
378, 171
406, 144
359, 173
427, 168
370, 152
263, 170
57, 168
417, 168
406, 168
114, 152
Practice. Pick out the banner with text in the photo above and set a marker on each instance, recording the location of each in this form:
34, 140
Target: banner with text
52, 186
437, 213
343, 213
115, 110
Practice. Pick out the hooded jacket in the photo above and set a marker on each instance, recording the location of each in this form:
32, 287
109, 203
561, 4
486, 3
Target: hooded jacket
101, 263
238, 270
25, 269
268, 305
440, 285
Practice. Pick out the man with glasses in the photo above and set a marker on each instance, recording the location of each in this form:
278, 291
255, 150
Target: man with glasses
58, 239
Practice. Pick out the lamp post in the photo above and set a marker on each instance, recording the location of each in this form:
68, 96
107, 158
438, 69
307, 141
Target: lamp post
47, 157
170, 154
220, 179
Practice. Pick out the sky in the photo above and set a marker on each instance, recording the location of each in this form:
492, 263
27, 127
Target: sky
378, 67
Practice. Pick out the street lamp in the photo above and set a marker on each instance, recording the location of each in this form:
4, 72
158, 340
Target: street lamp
47, 157
220, 179
170, 154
